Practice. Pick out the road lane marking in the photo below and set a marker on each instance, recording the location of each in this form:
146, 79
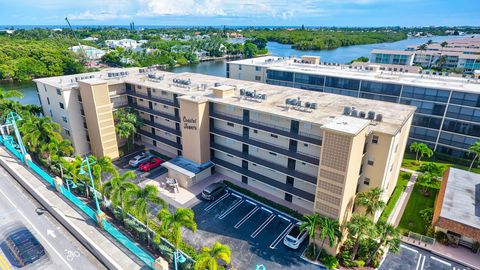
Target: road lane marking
280, 236
247, 216
439, 260
259, 229
4, 264
409, 248
216, 202
235, 205
36, 230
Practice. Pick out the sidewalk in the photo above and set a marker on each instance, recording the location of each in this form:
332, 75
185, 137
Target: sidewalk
459, 254
401, 204
82, 227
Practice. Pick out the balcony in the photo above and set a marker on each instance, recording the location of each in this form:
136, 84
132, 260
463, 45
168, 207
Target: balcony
268, 164
270, 128
155, 112
160, 139
276, 149
162, 127
152, 98
269, 181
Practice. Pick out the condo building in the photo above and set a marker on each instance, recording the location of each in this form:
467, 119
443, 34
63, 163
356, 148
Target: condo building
448, 107
308, 150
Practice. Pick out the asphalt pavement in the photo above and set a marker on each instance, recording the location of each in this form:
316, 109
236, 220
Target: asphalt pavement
63, 250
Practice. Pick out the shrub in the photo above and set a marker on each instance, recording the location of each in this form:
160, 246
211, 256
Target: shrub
309, 252
358, 263
442, 238
475, 246
330, 262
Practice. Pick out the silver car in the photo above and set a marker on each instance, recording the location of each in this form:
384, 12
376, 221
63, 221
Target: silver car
140, 158
295, 236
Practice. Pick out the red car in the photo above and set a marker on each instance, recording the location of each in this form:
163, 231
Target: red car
151, 164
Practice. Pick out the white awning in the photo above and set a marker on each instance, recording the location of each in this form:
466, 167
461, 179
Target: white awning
179, 169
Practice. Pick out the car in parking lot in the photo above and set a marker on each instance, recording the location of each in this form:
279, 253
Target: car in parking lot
140, 158
295, 236
212, 191
151, 164
22, 248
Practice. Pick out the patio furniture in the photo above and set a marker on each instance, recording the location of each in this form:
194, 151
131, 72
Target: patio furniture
172, 183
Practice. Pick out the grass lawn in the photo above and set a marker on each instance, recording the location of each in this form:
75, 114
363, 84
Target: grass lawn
401, 184
409, 163
411, 220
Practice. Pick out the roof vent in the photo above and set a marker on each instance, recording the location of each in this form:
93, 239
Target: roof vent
347, 110
354, 113
362, 114
217, 84
371, 115
379, 117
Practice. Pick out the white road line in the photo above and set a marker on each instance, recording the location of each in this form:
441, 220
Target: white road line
439, 260
216, 202
38, 232
236, 195
409, 248
280, 236
247, 216
267, 210
260, 229
286, 219
250, 202
418, 262
222, 216
423, 262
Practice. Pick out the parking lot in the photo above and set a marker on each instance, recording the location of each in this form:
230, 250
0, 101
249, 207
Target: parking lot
253, 232
122, 167
413, 258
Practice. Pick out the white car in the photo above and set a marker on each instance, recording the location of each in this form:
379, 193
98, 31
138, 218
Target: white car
295, 237
140, 158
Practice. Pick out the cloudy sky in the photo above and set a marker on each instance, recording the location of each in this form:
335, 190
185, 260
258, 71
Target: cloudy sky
242, 12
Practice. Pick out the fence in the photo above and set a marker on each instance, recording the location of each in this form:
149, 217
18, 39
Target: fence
125, 241
421, 238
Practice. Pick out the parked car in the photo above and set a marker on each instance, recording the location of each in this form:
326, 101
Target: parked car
151, 164
214, 190
140, 158
295, 236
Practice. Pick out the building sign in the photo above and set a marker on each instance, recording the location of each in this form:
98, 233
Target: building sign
189, 123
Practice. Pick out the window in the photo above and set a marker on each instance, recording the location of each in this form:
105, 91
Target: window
239, 67
257, 69
64, 118
272, 153
230, 124
275, 118
79, 98
48, 101
67, 131
391, 167
230, 108
59, 92
370, 161
61, 105
45, 87
258, 78
51, 113
366, 181
288, 197
290, 181
139, 87
305, 145
255, 131
164, 106
307, 126
374, 139
164, 93
273, 136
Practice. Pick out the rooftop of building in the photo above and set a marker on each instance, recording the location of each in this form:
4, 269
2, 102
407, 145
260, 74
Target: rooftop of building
452, 81
461, 202
330, 107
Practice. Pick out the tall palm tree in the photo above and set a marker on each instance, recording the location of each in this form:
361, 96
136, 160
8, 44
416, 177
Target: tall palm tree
475, 150
209, 257
127, 124
370, 200
115, 189
174, 222
310, 223
137, 200
329, 230
359, 228
425, 151
388, 235
56, 148
38, 131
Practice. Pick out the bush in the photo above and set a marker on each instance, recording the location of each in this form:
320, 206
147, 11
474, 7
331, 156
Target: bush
358, 263
475, 247
330, 262
442, 238
309, 252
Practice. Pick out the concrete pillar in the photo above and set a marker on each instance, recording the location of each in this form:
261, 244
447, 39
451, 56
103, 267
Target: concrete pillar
58, 183
160, 264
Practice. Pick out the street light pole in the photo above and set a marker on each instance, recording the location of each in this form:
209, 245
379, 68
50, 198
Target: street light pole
178, 257
87, 161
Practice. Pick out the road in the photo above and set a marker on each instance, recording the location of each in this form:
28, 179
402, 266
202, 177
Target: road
64, 251
414, 258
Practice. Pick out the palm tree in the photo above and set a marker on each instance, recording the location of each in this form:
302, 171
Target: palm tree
6, 94
56, 148
174, 222
209, 257
116, 188
425, 151
420, 150
137, 200
359, 228
127, 124
310, 223
388, 235
370, 200
39, 131
329, 230
475, 150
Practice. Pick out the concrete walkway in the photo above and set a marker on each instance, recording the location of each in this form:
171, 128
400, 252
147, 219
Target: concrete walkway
82, 227
401, 204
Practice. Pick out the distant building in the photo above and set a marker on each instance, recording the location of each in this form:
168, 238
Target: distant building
395, 57
127, 44
90, 39
91, 52
7, 31
457, 208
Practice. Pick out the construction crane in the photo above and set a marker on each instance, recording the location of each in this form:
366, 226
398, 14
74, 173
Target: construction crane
85, 57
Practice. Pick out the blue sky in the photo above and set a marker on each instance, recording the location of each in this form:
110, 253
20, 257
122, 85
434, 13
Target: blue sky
242, 12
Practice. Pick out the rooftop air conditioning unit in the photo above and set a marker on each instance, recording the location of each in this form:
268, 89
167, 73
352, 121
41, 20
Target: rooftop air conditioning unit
346, 110
371, 115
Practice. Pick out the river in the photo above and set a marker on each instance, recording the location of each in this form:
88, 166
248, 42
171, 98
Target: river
217, 68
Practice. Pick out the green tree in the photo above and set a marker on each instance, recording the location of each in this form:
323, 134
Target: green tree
137, 200
370, 200
38, 131
310, 223
427, 181
127, 122
420, 150
174, 222
359, 228
427, 215
249, 50
116, 188
474, 150
432, 168
209, 257
388, 236
6, 94
329, 230
363, 59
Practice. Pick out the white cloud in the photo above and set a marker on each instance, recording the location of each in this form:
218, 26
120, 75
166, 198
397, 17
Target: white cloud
99, 16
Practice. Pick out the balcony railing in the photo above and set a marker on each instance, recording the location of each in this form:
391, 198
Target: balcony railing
160, 139
155, 112
162, 127
153, 98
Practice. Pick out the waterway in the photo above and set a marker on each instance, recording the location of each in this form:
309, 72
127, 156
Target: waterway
217, 68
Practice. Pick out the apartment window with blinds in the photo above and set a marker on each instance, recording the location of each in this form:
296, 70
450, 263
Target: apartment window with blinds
370, 161
375, 139
258, 78
366, 181
59, 92
230, 124
61, 105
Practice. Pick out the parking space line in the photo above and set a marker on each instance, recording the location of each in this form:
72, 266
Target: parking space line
409, 248
235, 205
247, 216
442, 261
418, 262
250, 202
286, 219
268, 210
236, 195
280, 236
423, 262
259, 229
216, 202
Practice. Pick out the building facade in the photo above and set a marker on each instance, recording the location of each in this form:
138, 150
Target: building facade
448, 108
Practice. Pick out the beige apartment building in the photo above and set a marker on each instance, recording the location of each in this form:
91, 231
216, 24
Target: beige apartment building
308, 150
